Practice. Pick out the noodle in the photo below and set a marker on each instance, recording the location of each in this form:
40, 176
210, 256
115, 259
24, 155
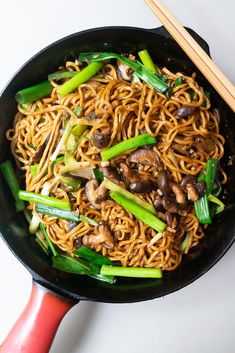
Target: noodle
125, 109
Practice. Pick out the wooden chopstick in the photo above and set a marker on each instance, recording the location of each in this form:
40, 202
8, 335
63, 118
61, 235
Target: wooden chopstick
214, 75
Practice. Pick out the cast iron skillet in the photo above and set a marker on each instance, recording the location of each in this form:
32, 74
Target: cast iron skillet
54, 292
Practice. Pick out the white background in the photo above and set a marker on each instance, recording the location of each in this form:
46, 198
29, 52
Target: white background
198, 318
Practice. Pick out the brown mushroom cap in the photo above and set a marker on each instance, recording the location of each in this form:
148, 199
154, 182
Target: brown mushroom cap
124, 71
101, 237
95, 193
101, 139
185, 111
145, 157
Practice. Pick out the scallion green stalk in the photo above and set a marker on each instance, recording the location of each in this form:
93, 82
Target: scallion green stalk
58, 75
88, 254
139, 69
81, 77
34, 93
48, 240
129, 144
44, 200
147, 61
11, 179
138, 272
139, 212
33, 169
220, 205
116, 188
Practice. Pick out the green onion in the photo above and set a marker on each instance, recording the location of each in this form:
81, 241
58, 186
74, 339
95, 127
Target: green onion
211, 174
138, 272
201, 206
178, 81
78, 130
139, 212
10, 178
147, 61
49, 242
63, 138
184, 243
64, 214
44, 200
78, 111
98, 174
139, 69
218, 202
58, 160
34, 93
70, 264
134, 142
70, 181
208, 96
80, 78
88, 254
88, 220
33, 169
95, 273
116, 188
58, 75
57, 212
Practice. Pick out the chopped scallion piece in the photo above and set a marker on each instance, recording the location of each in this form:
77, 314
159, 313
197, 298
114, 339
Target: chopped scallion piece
147, 61
80, 78
44, 200
134, 142
34, 93
138, 272
11, 179
58, 75
139, 212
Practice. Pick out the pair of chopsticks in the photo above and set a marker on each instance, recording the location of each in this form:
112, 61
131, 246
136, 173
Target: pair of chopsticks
204, 63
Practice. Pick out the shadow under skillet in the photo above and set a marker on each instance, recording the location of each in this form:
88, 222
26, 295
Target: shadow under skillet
74, 328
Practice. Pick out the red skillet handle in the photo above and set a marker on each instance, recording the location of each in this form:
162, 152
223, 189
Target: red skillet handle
35, 329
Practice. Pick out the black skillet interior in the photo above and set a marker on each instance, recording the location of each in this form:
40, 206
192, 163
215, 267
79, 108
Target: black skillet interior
13, 227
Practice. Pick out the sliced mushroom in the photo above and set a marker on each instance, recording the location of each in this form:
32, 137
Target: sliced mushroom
170, 205
179, 195
163, 183
204, 145
101, 237
101, 139
124, 71
95, 193
145, 157
36, 157
201, 188
185, 111
181, 149
136, 182
110, 173
192, 192
187, 179
130, 174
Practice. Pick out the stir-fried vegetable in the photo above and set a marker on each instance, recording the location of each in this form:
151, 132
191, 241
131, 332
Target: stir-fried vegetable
147, 61
139, 69
58, 75
219, 203
139, 212
178, 81
81, 77
138, 272
64, 214
88, 254
79, 266
33, 93
71, 264
116, 188
134, 142
48, 240
11, 179
44, 200
202, 209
